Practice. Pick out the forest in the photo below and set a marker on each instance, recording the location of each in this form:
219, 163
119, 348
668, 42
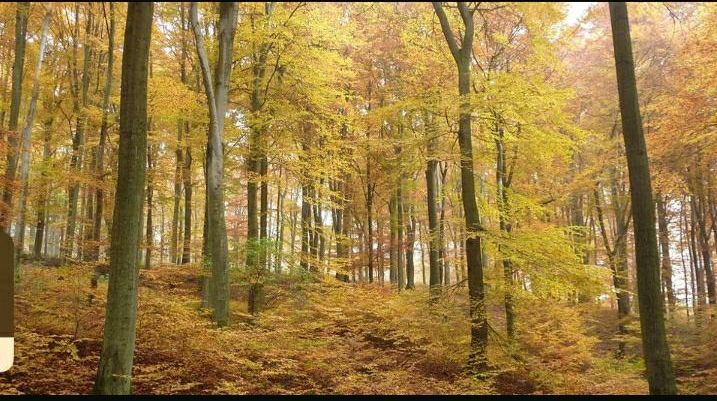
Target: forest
360, 197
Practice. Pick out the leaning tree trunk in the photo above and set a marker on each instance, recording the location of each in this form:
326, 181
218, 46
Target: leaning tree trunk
652, 321
217, 95
114, 375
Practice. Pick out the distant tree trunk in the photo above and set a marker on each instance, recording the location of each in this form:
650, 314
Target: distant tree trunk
393, 246
187, 183
700, 207
78, 139
477, 360
698, 276
318, 234
306, 219
26, 140
149, 240
23, 8
279, 247
410, 243
652, 322
217, 94
179, 154
445, 265
263, 212
665, 246
41, 224
503, 179
114, 375
369, 225
432, 191
99, 194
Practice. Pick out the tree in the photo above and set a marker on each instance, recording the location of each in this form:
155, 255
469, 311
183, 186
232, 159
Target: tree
104, 128
654, 341
462, 56
217, 93
27, 137
23, 8
114, 375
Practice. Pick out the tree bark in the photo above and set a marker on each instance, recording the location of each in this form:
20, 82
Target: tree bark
652, 322
434, 275
665, 247
114, 375
479, 324
27, 138
99, 194
217, 95
23, 8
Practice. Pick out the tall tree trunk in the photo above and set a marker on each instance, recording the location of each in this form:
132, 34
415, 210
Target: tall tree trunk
502, 186
78, 140
23, 8
479, 323
179, 153
217, 95
99, 194
652, 321
114, 375
27, 138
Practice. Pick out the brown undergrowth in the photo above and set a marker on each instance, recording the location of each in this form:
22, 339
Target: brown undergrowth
322, 337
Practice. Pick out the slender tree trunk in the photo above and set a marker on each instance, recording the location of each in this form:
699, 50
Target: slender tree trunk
23, 8
149, 240
432, 191
41, 227
665, 247
502, 186
477, 361
410, 243
99, 194
652, 322
114, 375
78, 140
217, 94
27, 138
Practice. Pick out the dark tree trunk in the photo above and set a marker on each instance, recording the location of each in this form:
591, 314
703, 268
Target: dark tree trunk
434, 245
479, 324
41, 224
665, 247
652, 321
410, 243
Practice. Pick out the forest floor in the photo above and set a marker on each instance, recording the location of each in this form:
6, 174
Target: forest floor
319, 338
